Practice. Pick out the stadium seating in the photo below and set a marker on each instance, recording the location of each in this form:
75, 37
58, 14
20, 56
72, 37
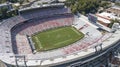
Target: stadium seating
23, 44
44, 24
45, 12
14, 31
33, 26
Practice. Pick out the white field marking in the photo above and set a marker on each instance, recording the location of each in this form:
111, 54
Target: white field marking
76, 31
62, 42
39, 43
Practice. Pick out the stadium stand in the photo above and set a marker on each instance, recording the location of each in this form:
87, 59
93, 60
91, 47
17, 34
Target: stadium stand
32, 27
44, 12
12, 22
14, 32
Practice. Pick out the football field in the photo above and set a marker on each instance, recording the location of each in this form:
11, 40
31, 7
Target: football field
56, 38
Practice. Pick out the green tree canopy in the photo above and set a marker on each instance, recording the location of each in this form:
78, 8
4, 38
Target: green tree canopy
85, 6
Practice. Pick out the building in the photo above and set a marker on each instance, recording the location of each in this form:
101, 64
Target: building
105, 17
115, 10
110, 13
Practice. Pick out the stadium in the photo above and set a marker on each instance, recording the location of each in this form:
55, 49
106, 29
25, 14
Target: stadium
52, 36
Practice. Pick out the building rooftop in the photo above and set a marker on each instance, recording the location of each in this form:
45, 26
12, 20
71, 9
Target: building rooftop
105, 17
116, 7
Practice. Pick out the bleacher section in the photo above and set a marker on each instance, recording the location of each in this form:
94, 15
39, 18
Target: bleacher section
45, 12
7, 25
33, 26
5, 43
22, 43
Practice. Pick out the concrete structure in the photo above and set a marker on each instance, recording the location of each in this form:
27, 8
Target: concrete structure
115, 10
110, 13
105, 17
94, 45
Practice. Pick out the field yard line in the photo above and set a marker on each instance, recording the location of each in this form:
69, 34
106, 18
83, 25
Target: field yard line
38, 42
62, 42
75, 31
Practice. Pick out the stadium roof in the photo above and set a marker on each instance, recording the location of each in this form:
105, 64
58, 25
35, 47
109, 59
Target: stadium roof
103, 20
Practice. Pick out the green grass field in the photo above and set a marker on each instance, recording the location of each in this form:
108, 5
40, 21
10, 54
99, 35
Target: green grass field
56, 38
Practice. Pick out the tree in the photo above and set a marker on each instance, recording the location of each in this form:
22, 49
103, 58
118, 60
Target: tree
5, 13
87, 6
2, 1
83, 6
21, 1
13, 1
113, 21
